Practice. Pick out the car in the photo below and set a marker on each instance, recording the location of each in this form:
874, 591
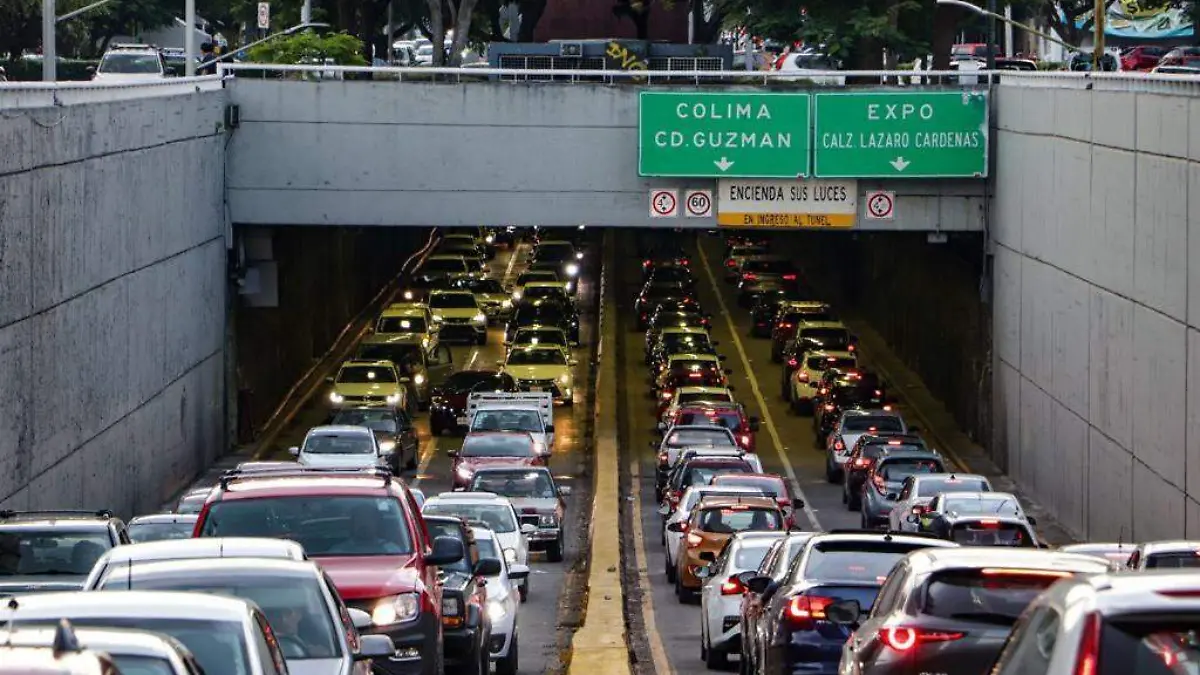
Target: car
950, 609
987, 529
491, 296
497, 513
853, 424
689, 395
1142, 623
794, 633
712, 524
1181, 56
699, 470
547, 291
688, 369
192, 500
922, 495
1174, 553
440, 270
365, 529
558, 255
466, 625
538, 499
1176, 70
522, 411
656, 293
672, 341
314, 630
466, 245
217, 629
881, 488
531, 276
529, 336
815, 333
868, 449
448, 402
127, 63
1116, 551
133, 651
771, 485
419, 368
54, 550
393, 430
802, 375
359, 383
192, 549
457, 316
409, 321
737, 255
809, 66
515, 449
774, 567
792, 316
721, 595
679, 437
732, 416
544, 314
542, 368
331, 447
776, 270
503, 605
161, 527
64, 657
842, 390
1142, 57
682, 513
665, 318
766, 305
669, 268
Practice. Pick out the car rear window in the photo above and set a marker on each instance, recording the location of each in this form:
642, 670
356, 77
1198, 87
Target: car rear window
515, 484
694, 496
707, 396
826, 336
929, 487
770, 486
899, 468
996, 596
325, 525
728, 520
728, 420
497, 445
990, 533
401, 324
853, 560
1150, 644
768, 266
52, 551
1174, 559
688, 437
703, 475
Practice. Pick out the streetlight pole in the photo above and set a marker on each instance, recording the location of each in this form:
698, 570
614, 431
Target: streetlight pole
49, 53
189, 38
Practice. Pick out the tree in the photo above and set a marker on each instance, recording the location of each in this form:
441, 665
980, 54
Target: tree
20, 27
309, 47
128, 17
460, 17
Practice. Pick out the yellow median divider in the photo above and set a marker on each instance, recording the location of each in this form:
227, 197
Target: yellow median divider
599, 646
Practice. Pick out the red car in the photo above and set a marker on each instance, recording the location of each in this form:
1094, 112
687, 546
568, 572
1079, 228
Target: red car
366, 530
1144, 57
770, 484
731, 416
494, 449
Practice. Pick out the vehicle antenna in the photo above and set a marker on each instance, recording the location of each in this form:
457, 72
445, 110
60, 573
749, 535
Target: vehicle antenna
129, 575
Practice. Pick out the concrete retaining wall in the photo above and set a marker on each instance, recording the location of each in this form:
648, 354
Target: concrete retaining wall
1097, 353
112, 300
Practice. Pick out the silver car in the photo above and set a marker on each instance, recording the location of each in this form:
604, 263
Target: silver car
192, 549
537, 499
134, 651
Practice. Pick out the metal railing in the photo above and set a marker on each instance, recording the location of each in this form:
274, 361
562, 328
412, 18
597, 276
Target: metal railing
50, 94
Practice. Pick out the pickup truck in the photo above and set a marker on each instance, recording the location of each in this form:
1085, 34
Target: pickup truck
531, 412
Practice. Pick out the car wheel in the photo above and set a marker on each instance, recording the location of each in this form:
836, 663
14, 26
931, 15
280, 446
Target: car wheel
554, 552
523, 590
412, 461
776, 353
482, 339
669, 569
716, 658
864, 522
478, 666
436, 429
854, 502
508, 665
844, 499
785, 390
569, 401
831, 473
703, 637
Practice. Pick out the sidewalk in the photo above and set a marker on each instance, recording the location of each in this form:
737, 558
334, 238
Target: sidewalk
940, 428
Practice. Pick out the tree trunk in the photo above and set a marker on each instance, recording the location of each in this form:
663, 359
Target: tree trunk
374, 16
462, 26
437, 29
531, 13
945, 20
348, 16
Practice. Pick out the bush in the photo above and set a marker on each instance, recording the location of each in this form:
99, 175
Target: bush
30, 70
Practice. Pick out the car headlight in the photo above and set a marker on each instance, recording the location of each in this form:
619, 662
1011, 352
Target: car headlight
579, 255
387, 446
489, 239
419, 379
408, 295
479, 318
336, 397
564, 378
396, 609
507, 303
437, 318
570, 286
548, 520
393, 398
572, 269
464, 472
496, 611
510, 556
516, 295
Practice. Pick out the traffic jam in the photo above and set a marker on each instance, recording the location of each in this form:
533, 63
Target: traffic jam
944, 575
332, 561
335, 558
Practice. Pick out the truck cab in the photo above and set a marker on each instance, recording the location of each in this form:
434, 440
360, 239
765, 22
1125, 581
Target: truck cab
531, 412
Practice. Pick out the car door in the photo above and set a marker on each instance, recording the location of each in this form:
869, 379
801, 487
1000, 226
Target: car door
440, 365
406, 436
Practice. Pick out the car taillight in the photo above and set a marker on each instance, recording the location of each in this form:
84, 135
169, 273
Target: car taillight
860, 462
803, 377
732, 586
791, 363
878, 393
785, 325
904, 638
789, 277
684, 262
663, 458
749, 276
803, 610
731, 263
850, 348
694, 540
1089, 646
666, 396
745, 439
828, 407
838, 445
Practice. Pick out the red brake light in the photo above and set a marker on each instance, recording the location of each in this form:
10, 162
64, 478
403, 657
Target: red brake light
666, 396
878, 392
850, 348
745, 439
731, 263
803, 376
839, 446
732, 586
663, 458
645, 263
1089, 646
684, 262
904, 638
695, 376
789, 277
802, 610
785, 325
749, 276
829, 406
694, 540
989, 522
862, 462
792, 363
894, 442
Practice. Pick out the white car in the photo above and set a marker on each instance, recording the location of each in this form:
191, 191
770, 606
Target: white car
134, 651
919, 491
124, 63
721, 595
191, 549
514, 411
685, 395
683, 512
339, 447
854, 424
498, 514
805, 378
814, 67
502, 604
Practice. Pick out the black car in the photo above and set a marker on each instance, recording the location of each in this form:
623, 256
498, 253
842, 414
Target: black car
55, 549
850, 389
985, 529
546, 313
808, 338
440, 271
448, 402
866, 451
656, 293
393, 429
466, 626
670, 344
766, 306
668, 270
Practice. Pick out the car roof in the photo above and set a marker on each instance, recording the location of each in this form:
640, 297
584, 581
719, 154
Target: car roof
821, 324
684, 330
122, 641
869, 536
340, 429
372, 363
756, 537
691, 356
546, 284
954, 475
466, 498
1146, 591
1169, 545
886, 438
45, 661
395, 311
299, 483
512, 469
760, 476
870, 412
706, 428
159, 518
205, 548
721, 501
98, 518
450, 291
140, 604
703, 390
538, 346
985, 557
979, 494
201, 566
906, 453
540, 326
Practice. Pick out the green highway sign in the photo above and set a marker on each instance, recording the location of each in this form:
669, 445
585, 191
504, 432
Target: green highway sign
723, 135
901, 135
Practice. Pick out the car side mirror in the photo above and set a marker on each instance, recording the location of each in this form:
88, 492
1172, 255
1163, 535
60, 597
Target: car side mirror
844, 612
374, 647
1031, 519
757, 584
913, 518
564, 491
358, 618
329, 379
452, 454
405, 380
446, 551
708, 556
675, 527
892, 496
487, 567
517, 571
703, 572
549, 428
294, 451
664, 510
528, 529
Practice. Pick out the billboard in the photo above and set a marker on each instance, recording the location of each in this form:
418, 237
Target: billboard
1143, 20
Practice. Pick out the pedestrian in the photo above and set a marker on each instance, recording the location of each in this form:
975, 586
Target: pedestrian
207, 54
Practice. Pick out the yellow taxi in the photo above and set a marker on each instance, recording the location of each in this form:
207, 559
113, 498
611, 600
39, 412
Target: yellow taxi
542, 368
360, 383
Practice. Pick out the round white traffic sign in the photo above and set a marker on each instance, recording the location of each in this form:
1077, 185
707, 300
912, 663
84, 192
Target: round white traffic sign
880, 205
698, 204
663, 204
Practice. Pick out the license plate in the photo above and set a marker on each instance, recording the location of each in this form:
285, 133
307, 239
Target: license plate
462, 421
535, 389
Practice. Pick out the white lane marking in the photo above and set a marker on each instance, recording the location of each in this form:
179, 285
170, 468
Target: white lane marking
662, 666
512, 260
764, 411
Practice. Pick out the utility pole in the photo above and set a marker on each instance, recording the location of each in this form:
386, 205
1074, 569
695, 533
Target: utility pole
1098, 17
991, 34
1009, 50
189, 38
49, 53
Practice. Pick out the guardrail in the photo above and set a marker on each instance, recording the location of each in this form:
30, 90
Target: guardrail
51, 94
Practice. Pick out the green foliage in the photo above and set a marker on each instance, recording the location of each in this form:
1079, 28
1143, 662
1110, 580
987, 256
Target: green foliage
20, 26
127, 17
309, 47
30, 70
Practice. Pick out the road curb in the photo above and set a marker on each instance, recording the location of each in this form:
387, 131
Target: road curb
599, 646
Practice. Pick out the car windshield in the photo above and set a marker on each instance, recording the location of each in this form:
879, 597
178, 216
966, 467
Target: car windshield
998, 597
452, 301
544, 313
770, 486
498, 517
728, 419
538, 292
57, 551
865, 423
131, 664
687, 437
219, 646
485, 286
984, 532
852, 560
474, 381
402, 324
856, 393
749, 557
294, 604
338, 444
497, 445
1173, 559
381, 420
899, 468
143, 532
549, 336
813, 62
692, 397
730, 519
365, 375
540, 275
680, 319
507, 420
515, 484
537, 357
331, 525
826, 337
130, 64
444, 265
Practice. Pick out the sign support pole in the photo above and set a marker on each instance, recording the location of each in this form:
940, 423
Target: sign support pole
49, 55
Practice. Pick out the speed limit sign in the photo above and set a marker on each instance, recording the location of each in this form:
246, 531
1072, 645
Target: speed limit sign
698, 203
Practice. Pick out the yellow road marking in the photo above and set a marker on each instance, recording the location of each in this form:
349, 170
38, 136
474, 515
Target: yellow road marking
765, 412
